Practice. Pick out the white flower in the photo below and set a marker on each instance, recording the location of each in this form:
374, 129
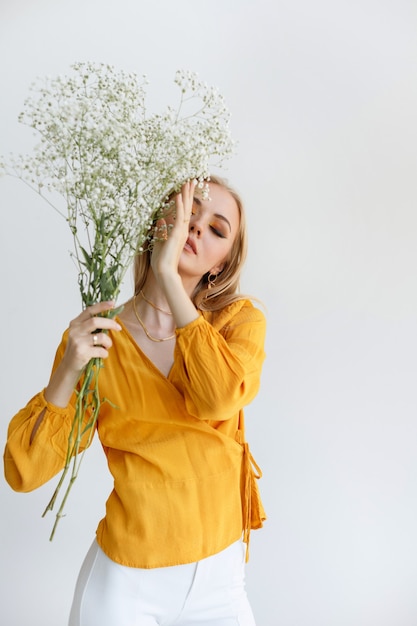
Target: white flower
113, 164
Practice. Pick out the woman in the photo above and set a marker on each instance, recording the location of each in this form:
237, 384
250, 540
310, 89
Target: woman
182, 359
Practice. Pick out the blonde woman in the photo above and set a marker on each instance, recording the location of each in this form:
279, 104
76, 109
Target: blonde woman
182, 360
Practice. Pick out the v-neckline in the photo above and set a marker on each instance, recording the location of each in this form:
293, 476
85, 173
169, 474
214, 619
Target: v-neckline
143, 354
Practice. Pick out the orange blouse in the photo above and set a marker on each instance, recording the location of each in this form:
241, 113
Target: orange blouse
184, 484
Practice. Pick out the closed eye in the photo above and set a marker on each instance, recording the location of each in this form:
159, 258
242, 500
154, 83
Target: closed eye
217, 232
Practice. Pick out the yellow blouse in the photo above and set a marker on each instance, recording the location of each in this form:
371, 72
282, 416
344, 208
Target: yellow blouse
184, 484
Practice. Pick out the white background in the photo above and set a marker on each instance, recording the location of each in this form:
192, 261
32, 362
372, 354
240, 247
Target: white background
323, 96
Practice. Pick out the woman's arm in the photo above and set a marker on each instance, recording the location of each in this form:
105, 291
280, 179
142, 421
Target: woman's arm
37, 439
218, 370
30, 461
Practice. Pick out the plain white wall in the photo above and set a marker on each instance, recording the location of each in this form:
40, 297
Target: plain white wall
324, 98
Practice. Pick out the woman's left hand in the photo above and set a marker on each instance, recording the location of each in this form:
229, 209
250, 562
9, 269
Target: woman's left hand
166, 251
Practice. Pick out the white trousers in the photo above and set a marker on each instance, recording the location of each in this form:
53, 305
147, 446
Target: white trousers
210, 592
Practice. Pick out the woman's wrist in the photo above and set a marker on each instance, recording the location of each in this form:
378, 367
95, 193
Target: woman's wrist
61, 386
180, 304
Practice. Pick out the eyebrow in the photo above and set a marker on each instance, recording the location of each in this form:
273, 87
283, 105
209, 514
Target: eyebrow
218, 215
222, 217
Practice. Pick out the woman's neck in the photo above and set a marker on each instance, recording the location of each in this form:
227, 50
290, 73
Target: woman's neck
168, 294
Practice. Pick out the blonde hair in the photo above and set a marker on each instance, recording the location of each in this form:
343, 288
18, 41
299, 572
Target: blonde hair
225, 289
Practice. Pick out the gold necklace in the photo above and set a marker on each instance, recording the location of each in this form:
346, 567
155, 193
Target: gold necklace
153, 305
149, 336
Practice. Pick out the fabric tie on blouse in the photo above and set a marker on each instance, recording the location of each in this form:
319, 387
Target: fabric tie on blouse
253, 513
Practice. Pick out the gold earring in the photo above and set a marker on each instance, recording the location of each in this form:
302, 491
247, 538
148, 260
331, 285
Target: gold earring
211, 280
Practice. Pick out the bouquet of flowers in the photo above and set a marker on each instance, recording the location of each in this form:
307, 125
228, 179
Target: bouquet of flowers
109, 169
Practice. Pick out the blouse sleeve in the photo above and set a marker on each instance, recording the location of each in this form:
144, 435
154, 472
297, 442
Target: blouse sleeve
28, 465
218, 370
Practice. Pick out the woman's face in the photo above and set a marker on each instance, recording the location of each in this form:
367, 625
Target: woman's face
214, 224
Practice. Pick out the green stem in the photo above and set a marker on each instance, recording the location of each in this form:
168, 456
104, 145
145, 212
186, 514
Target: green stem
87, 399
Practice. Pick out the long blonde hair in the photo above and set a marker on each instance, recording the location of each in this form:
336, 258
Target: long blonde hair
226, 286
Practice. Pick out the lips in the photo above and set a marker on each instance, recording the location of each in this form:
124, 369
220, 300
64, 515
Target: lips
190, 243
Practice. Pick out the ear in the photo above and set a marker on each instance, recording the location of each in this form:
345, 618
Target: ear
217, 268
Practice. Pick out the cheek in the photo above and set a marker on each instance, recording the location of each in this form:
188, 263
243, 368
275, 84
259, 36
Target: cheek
223, 251
229, 245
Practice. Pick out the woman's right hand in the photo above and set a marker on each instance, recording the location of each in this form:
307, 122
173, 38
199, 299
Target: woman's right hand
86, 340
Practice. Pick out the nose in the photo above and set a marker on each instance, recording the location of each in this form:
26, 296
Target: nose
196, 229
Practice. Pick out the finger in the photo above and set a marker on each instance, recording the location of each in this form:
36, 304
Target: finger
101, 340
93, 324
94, 309
179, 209
84, 326
99, 307
183, 204
187, 198
99, 352
187, 190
